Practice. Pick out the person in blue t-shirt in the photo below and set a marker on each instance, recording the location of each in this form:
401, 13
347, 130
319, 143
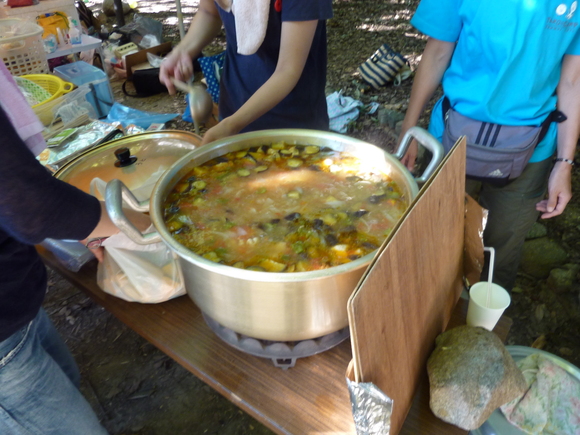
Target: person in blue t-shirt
278, 84
506, 62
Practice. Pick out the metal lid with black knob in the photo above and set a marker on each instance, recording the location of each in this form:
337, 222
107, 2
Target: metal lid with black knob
137, 160
124, 157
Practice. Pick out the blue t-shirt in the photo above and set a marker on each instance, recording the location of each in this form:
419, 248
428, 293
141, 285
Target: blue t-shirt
305, 106
507, 61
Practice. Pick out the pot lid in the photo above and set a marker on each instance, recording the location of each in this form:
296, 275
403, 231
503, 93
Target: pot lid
137, 160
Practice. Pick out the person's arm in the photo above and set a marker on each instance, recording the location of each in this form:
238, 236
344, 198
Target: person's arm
204, 27
106, 228
295, 42
560, 182
34, 205
434, 62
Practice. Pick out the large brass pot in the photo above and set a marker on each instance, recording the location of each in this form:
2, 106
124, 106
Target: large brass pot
269, 306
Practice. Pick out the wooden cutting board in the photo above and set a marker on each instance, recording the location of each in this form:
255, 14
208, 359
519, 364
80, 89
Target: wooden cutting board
406, 297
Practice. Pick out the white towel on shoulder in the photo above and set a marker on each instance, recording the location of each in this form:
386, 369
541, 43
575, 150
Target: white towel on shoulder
251, 19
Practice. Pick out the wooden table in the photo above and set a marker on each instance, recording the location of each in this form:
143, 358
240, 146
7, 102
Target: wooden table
310, 398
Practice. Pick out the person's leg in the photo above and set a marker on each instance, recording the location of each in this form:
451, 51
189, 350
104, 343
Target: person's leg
36, 396
512, 213
53, 344
472, 188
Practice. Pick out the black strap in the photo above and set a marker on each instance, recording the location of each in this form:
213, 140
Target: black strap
445, 105
554, 116
85, 14
135, 95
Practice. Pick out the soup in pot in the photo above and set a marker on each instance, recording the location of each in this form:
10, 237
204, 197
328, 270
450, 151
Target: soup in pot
284, 208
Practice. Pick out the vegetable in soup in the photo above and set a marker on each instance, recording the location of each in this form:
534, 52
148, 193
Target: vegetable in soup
283, 208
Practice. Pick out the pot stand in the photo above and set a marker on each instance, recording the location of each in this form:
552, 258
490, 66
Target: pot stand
282, 353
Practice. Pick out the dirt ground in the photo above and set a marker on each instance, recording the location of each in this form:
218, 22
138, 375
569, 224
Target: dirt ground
136, 389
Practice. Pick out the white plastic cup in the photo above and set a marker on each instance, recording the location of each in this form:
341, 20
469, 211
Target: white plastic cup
479, 313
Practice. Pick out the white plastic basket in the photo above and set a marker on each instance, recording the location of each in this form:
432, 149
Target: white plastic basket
22, 52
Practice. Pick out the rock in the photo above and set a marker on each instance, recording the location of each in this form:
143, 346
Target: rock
393, 106
398, 127
470, 375
537, 231
571, 218
109, 8
569, 235
389, 117
562, 279
542, 255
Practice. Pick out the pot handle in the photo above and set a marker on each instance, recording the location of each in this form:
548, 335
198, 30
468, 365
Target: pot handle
428, 141
115, 193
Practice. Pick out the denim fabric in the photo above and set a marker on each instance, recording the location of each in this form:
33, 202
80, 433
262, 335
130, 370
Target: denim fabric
38, 385
512, 213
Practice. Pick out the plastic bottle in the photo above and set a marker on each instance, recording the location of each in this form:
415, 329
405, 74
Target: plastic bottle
50, 43
62, 37
74, 31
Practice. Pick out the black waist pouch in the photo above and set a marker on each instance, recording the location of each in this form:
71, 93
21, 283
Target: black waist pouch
495, 153
146, 83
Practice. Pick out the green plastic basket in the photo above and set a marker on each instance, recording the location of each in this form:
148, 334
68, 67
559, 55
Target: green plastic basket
34, 93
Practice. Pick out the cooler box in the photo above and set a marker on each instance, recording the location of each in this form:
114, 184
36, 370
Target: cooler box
80, 73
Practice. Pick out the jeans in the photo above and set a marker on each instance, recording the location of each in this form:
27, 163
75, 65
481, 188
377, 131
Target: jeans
512, 213
39, 385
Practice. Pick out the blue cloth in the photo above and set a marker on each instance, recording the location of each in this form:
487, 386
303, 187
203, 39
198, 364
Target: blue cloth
507, 62
39, 379
127, 116
342, 111
212, 66
305, 106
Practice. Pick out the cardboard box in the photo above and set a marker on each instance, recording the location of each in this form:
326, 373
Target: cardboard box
407, 295
132, 60
144, 65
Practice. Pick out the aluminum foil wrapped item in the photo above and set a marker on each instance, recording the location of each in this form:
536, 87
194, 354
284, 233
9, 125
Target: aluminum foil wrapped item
88, 136
371, 408
475, 222
133, 129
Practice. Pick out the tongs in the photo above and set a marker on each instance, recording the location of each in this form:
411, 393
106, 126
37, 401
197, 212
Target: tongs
200, 103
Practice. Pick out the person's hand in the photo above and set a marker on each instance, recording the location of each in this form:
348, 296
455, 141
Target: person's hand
178, 64
106, 228
410, 155
94, 244
99, 253
559, 191
223, 129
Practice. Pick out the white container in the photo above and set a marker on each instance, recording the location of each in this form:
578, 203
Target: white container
74, 31
23, 53
487, 302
